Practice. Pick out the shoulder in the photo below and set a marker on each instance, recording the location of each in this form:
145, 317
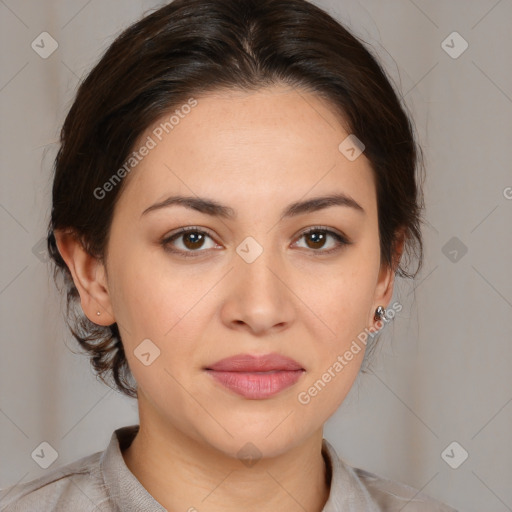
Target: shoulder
77, 486
391, 495
355, 489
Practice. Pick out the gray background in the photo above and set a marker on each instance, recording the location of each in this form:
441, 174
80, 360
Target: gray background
442, 372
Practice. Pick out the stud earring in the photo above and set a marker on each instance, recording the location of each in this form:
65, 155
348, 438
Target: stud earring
98, 313
380, 313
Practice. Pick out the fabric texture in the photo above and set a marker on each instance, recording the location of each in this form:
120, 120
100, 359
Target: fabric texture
102, 482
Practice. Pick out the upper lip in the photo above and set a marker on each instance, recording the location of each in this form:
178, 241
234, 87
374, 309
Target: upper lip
250, 363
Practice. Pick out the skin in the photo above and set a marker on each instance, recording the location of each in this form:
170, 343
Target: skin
256, 153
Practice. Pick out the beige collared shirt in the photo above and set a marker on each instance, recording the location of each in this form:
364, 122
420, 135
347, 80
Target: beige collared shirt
102, 482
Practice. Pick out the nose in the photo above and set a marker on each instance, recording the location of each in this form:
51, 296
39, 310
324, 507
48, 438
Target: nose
260, 295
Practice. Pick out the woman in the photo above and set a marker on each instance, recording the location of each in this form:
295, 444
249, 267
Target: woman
234, 192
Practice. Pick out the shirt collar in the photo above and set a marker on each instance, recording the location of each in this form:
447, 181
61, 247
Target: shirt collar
347, 492
127, 494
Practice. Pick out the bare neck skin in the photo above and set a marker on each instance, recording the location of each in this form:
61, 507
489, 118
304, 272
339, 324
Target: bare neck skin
183, 474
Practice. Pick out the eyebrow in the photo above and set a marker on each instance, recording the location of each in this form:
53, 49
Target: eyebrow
215, 209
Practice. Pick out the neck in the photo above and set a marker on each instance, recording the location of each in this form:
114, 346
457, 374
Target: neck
182, 473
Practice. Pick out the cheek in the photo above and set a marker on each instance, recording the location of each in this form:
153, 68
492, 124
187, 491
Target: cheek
163, 305
343, 307
149, 296
343, 303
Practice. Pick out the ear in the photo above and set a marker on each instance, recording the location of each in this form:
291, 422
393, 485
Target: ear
89, 277
386, 279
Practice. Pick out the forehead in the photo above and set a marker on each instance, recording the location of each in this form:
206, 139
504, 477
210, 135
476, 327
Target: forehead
256, 146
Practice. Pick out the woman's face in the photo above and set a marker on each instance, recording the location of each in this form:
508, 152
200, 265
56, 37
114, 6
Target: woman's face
249, 282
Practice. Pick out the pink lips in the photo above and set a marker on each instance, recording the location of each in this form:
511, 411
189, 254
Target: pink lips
256, 377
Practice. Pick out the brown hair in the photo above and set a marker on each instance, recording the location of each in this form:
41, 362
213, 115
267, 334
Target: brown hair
190, 47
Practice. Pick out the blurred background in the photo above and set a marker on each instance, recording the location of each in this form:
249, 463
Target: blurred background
435, 411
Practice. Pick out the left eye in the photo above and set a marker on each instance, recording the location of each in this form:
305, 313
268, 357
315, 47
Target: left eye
317, 237
193, 240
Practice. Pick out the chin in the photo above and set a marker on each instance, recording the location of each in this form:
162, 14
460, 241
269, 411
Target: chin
256, 442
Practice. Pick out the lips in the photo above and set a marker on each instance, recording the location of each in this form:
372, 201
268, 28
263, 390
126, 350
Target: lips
249, 363
256, 377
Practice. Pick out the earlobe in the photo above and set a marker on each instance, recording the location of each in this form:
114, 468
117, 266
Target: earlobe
89, 277
386, 280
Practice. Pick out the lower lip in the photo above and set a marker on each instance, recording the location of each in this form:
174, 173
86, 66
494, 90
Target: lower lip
257, 385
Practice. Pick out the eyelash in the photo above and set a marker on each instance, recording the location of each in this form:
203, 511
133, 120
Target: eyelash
341, 240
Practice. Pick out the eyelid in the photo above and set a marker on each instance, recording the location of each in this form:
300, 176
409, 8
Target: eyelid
186, 229
328, 229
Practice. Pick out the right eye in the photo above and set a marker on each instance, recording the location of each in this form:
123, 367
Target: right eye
192, 239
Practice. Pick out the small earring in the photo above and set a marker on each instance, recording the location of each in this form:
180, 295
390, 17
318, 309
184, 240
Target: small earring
380, 313
98, 313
